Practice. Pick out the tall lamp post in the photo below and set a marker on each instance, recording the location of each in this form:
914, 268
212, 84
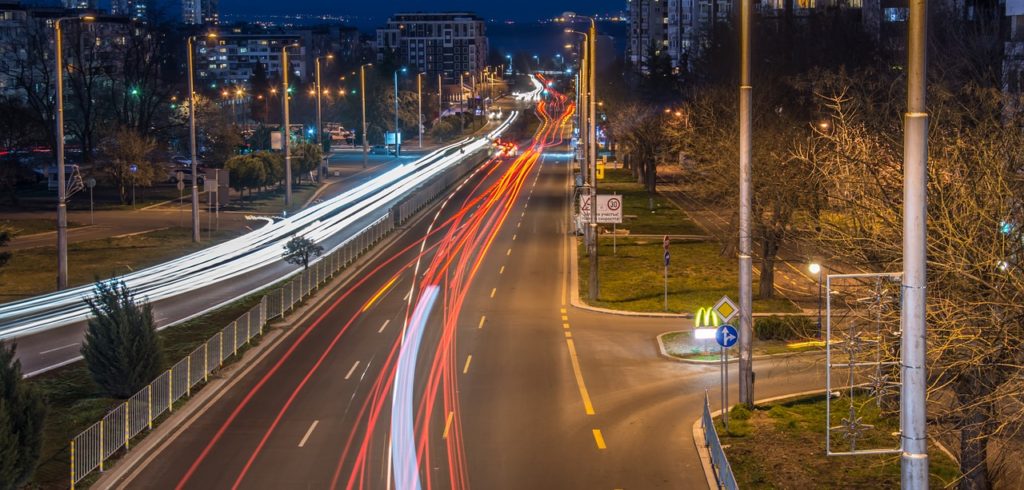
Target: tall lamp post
362, 93
594, 289
462, 103
194, 163
440, 97
398, 132
419, 102
62, 197
319, 114
746, 375
286, 131
815, 268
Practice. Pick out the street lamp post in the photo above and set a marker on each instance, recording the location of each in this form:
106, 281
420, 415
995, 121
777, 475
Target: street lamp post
462, 103
194, 163
286, 132
440, 97
362, 93
746, 375
319, 114
815, 268
419, 101
398, 132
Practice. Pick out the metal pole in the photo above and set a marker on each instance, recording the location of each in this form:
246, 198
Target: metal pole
440, 97
745, 263
362, 92
62, 210
592, 137
286, 132
819, 303
319, 121
419, 98
914, 460
398, 133
192, 142
462, 104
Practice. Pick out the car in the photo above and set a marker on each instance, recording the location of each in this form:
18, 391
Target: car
382, 150
180, 160
186, 176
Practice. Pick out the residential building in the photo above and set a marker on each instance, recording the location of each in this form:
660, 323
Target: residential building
200, 12
449, 43
231, 57
133, 9
649, 31
1013, 56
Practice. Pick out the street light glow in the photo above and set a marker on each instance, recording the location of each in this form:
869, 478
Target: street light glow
814, 267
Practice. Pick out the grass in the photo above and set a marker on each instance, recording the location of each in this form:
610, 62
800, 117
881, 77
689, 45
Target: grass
782, 446
75, 402
272, 201
681, 344
32, 226
665, 219
632, 279
33, 271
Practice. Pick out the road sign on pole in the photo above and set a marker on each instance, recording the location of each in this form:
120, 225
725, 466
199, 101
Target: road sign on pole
609, 208
726, 337
726, 309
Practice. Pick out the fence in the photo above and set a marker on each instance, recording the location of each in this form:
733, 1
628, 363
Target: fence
94, 446
720, 465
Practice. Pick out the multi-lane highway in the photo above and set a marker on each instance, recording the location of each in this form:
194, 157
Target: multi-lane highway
453, 360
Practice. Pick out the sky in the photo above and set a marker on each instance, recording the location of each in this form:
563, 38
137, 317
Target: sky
514, 9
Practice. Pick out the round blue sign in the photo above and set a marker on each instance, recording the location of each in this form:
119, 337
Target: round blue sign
726, 335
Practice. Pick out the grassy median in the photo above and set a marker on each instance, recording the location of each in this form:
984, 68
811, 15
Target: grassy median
782, 445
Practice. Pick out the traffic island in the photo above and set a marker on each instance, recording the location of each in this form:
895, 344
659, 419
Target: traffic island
781, 444
681, 345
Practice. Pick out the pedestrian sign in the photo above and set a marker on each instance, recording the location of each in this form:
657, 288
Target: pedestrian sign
726, 336
726, 309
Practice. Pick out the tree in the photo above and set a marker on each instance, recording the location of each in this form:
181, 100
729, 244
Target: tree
638, 128
273, 167
247, 172
123, 149
22, 413
305, 159
5, 238
121, 348
299, 250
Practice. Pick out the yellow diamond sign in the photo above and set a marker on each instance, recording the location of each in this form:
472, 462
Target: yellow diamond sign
726, 309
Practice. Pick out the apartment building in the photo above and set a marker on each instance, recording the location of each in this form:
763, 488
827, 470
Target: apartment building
436, 43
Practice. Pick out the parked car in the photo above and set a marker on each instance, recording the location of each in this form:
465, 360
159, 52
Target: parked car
186, 176
382, 150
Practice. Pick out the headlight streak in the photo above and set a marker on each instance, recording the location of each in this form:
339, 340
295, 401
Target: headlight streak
249, 252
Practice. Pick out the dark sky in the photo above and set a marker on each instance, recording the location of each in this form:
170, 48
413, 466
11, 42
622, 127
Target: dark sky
507, 9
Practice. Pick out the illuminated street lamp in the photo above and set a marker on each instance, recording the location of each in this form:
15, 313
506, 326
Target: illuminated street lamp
192, 136
815, 268
362, 92
62, 197
286, 132
398, 132
319, 114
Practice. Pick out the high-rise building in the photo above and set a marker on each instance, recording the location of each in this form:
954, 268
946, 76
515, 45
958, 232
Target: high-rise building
449, 44
648, 32
231, 58
133, 9
199, 12
79, 4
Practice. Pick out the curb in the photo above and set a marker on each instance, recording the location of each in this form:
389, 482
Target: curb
705, 454
664, 353
221, 383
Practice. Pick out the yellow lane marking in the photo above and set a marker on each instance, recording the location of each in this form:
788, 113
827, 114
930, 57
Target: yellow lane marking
523, 214
502, 271
469, 359
563, 311
599, 439
493, 290
482, 319
519, 224
514, 236
565, 325
448, 425
568, 335
509, 252
379, 293
587, 406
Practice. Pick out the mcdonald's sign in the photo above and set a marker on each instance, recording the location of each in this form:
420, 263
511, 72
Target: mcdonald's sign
705, 317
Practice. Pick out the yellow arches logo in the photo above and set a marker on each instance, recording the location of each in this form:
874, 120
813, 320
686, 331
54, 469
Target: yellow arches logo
706, 317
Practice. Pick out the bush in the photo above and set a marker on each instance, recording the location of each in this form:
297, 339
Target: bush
21, 422
121, 349
739, 412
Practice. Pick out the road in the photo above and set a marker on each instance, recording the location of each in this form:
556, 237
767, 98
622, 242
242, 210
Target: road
452, 360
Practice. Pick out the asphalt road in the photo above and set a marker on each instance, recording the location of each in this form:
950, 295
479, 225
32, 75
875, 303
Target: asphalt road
452, 360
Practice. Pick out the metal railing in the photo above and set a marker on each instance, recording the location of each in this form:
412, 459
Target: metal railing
94, 446
720, 465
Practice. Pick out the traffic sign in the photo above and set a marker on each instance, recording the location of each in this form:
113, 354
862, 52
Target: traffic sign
726, 309
609, 208
666, 258
599, 171
133, 168
726, 336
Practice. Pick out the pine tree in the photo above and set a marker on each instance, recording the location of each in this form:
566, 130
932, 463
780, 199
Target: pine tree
121, 349
21, 422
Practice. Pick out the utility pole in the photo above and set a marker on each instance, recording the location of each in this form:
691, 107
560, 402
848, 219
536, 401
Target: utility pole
419, 101
592, 86
440, 97
746, 376
914, 458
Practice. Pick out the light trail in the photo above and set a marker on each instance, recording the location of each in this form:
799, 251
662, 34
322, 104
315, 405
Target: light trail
322, 223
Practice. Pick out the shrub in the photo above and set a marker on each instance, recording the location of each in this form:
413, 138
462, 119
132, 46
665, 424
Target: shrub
739, 412
121, 349
771, 328
21, 422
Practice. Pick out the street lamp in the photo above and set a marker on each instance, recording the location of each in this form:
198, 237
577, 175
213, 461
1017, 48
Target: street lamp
62, 197
362, 93
192, 136
815, 268
398, 132
286, 133
319, 117
419, 102
591, 56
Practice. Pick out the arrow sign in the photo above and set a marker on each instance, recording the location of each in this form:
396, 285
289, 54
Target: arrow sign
726, 336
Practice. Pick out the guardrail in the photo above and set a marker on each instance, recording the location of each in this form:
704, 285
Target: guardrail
94, 446
720, 465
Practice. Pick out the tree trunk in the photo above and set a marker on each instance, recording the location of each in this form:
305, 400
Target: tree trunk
769, 248
974, 448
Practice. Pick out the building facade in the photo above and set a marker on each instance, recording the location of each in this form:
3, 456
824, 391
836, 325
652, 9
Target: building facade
231, 58
649, 31
200, 12
448, 44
